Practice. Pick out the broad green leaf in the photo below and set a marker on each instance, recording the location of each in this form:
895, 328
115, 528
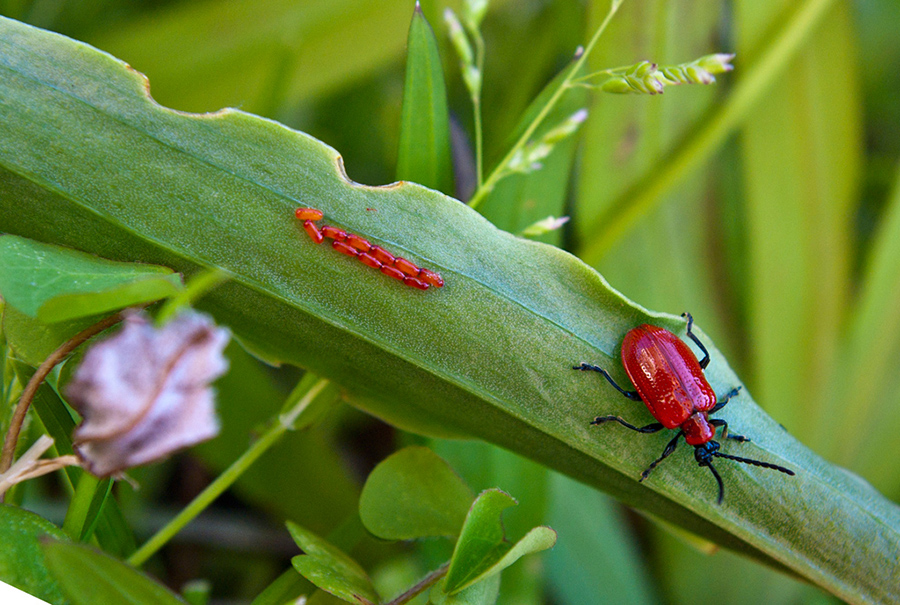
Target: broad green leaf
32, 340
482, 549
488, 355
424, 155
414, 494
88, 576
742, 582
57, 284
331, 569
21, 559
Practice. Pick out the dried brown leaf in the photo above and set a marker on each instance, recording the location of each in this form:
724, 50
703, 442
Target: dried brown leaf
145, 392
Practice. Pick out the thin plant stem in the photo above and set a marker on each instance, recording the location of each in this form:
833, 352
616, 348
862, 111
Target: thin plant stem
76, 516
273, 434
648, 192
15, 425
421, 585
499, 170
197, 286
476, 107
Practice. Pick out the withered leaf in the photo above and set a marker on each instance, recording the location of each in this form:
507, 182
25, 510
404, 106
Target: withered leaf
145, 392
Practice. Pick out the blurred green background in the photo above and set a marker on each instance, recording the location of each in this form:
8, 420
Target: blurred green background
783, 245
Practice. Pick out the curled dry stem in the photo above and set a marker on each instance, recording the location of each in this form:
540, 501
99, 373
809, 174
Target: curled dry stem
15, 426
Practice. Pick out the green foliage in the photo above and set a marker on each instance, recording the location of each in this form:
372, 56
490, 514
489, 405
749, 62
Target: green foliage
54, 284
21, 559
482, 550
768, 238
88, 576
424, 155
331, 569
414, 494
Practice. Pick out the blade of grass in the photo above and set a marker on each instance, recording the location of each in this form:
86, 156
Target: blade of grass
424, 156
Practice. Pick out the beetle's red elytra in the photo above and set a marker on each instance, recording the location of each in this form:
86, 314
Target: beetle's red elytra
670, 381
368, 254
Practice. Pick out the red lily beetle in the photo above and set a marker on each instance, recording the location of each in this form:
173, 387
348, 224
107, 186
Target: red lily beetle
670, 381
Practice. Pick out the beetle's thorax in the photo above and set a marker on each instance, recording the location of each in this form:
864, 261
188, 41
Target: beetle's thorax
697, 429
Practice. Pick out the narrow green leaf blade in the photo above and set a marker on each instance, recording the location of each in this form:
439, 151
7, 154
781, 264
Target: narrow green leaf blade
414, 494
330, 568
88, 577
57, 284
801, 184
21, 560
424, 155
864, 401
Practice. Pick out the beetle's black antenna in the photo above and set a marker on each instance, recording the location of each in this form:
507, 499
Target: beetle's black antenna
774, 467
718, 479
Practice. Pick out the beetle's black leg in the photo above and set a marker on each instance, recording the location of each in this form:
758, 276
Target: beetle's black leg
669, 449
725, 434
650, 428
585, 367
728, 396
690, 323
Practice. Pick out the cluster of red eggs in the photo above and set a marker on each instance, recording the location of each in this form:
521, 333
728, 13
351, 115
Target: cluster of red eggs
374, 256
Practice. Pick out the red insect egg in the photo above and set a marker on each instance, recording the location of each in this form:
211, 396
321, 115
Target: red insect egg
344, 248
382, 255
334, 233
313, 231
368, 259
357, 242
391, 272
407, 267
415, 283
308, 214
430, 277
